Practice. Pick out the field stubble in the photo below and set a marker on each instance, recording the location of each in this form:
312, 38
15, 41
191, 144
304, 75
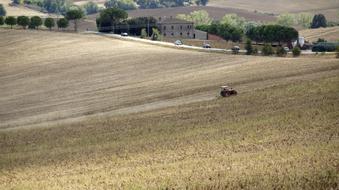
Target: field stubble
280, 132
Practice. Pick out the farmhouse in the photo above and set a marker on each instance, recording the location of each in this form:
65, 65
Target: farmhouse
173, 27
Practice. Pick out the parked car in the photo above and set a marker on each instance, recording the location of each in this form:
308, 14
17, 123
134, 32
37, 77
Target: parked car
235, 49
178, 42
124, 34
286, 49
206, 46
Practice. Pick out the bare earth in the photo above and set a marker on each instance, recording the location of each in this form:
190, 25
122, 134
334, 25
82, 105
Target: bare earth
54, 77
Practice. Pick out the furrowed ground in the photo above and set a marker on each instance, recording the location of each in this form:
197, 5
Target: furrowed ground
280, 132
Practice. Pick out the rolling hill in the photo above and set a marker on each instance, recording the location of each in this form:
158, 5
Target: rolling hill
277, 6
88, 112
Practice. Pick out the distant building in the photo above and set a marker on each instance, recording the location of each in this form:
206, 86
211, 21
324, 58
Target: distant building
173, 27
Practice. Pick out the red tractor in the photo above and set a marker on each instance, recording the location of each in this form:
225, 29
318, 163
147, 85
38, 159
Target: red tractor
227, 91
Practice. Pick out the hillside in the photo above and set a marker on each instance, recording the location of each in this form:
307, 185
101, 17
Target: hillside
20, 10
214, 12
89, 112
110, 76
329, 34
277, 6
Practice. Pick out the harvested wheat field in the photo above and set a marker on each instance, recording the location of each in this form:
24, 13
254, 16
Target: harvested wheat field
89, 112
277, 6
329, 34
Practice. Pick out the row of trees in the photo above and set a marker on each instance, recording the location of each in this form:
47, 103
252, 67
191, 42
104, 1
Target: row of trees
33, 23
226, 31
302, 19
268, 50
272, 33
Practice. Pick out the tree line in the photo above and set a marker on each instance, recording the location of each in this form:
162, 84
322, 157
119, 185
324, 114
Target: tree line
62, 6
33, 22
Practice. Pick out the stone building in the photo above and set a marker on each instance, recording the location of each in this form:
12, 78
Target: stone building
173, 27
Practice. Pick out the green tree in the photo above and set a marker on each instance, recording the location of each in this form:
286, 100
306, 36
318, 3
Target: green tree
49, 23
233, 20
286, 19
2, 10
11, 21
304, 19
319, 21
108, 19
23, 21
91, 8
249, 47
36, 21
156, 36
143, 33
267, 50
200, 17
17, 1
75, 14
2, 20
122, 4
148, 4
296, 51
201, 2
62, 23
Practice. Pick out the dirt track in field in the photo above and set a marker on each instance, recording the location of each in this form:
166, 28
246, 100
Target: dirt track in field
47, 77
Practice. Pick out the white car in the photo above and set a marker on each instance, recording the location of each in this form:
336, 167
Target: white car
124, 34
178, 42
206, 46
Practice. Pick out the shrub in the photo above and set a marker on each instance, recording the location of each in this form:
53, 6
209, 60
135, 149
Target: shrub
23, 21
2, 10
296, 51
121, 4
91, 8
249, 47
156, 34
281, 52
143, 33
321, 40
255, 51
267, 50
319, 21
324, 46
49, 23
11, 21
337, 51
36, 21
62, 23
2, 20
